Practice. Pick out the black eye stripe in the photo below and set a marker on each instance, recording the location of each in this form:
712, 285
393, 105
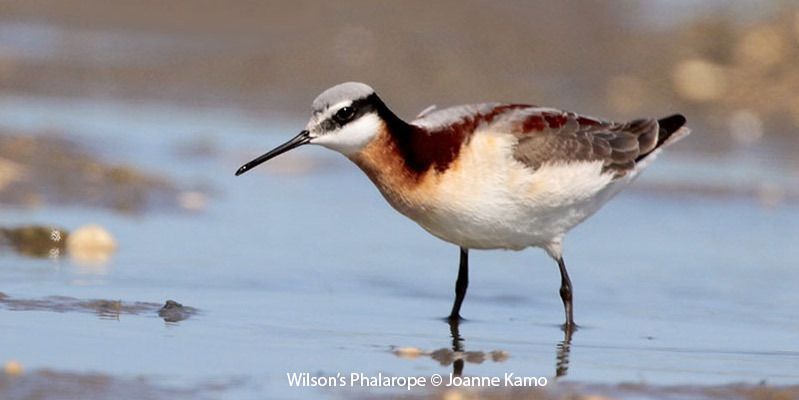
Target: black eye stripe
358, 109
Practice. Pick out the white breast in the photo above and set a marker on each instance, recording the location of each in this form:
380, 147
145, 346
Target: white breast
488, 200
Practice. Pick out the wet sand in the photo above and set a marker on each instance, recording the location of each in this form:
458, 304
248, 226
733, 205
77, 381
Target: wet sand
621, 391
46, 170
58, 385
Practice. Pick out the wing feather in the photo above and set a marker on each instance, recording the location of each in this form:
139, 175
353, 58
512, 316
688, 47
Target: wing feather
569, 137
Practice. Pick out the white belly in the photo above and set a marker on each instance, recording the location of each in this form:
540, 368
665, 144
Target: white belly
488, 200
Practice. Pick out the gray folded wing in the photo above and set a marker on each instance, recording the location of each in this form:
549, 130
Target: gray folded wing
567, 137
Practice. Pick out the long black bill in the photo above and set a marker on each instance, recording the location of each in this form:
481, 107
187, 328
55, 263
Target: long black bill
297, 141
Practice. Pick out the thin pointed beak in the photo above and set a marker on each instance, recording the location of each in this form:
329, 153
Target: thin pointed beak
299, 140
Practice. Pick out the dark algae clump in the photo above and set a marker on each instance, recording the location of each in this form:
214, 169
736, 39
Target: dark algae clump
34, 240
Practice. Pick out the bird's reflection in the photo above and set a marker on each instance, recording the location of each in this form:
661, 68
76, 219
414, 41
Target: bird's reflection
458, 356
455, 355
562, 351
457, 346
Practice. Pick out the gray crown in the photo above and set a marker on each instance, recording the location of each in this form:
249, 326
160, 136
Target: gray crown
339, 93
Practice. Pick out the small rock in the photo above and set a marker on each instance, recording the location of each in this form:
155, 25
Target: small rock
13, 367
91, 244
408, 352
172, 311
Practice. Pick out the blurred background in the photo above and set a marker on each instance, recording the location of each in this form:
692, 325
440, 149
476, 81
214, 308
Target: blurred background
730, 66
724, 63
121, 124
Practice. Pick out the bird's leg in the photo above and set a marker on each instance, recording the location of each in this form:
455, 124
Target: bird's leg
566, 296
460, 285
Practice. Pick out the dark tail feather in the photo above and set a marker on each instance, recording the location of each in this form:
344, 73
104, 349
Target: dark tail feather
668, 126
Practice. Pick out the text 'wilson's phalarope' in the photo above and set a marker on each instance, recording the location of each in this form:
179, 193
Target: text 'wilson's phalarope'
487, 176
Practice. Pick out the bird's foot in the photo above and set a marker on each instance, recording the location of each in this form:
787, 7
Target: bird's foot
454, 319
569, 328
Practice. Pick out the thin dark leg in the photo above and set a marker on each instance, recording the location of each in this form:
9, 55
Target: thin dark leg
460, 285
566, 295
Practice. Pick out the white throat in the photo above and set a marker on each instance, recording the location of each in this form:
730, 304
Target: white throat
352, 137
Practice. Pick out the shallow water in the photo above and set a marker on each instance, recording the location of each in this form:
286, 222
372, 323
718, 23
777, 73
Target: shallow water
300, 266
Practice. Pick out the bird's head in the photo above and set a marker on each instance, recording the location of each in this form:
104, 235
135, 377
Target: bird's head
344, 118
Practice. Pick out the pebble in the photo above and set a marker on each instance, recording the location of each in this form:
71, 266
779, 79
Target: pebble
408, 352
91, 244
13, 367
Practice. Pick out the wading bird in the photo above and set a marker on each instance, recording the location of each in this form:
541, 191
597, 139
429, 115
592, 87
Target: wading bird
487, 176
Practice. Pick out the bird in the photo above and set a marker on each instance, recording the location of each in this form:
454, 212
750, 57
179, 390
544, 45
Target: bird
490, 175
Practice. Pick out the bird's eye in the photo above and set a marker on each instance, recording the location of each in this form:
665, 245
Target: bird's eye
344, 115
